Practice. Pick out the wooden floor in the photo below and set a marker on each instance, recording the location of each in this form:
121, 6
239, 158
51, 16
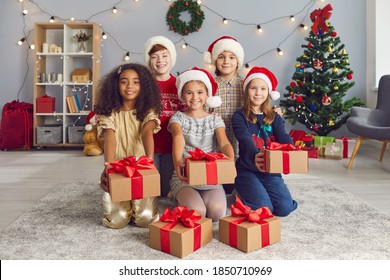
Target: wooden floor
26, 176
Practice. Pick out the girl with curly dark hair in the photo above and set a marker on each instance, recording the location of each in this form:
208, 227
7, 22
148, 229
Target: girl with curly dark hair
128, 109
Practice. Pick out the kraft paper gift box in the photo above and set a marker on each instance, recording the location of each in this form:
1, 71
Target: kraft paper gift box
348, 145
249, 230
209, 168
334, 150
130, 179
180, 232
320, 142
285, 158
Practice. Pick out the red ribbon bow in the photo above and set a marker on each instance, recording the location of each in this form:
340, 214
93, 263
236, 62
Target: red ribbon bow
253, 216
198, 154
282, 147
173, 217
130, 165
318, 18
257, 216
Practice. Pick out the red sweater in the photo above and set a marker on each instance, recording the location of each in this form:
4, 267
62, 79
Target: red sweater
171, 104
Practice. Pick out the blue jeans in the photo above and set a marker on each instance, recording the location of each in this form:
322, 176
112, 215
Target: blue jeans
259, 189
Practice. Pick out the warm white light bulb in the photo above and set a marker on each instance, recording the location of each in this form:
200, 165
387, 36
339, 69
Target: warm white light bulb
259, 28
25, 12
104, 36
225, 21
199, 2
114, 10
280, 52
32, 46
184, 46
292, 18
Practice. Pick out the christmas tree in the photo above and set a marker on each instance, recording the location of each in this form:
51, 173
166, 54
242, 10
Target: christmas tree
321, 79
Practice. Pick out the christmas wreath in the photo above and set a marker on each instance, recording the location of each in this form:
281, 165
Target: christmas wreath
177, 25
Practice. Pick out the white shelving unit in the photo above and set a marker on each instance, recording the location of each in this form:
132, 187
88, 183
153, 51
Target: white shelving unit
61, 57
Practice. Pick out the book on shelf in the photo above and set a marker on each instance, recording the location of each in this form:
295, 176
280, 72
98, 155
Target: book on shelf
72, 107
78, 105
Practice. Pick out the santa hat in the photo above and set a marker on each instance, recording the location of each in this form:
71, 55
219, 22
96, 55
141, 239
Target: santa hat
197, 74
159, 40
222, 44
91, 121
267, 76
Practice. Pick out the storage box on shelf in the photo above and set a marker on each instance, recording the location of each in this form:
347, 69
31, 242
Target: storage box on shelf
58, 57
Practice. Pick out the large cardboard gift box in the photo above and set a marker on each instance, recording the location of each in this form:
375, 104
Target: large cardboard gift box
209, 169
140, 183
247, 235
348, 146
291, 160
180, 240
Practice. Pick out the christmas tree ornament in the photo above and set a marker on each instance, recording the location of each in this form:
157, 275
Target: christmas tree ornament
312, 107
330, 49
299, 99
331, 123
335, 70
318, 64
310, 45
336, 88
326, 100
349, 76
293, 84
297, 65
315, 127
334, 34
343, 52
312, 90
299, 70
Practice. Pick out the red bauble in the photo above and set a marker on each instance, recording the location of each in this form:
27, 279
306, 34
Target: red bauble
310, 45
299, 99
315, 127
171, 28
318, 64
349, 76
293, 84
186, 4
169, 16
334, 34
326, 100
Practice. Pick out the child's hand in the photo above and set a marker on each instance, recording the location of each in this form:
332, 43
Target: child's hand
277, 110
180, 172
103, 178
259, 160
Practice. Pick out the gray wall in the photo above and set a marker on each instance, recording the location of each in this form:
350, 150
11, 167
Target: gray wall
135, 22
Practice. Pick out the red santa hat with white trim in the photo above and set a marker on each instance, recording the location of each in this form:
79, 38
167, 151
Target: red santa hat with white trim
198, 74
222, 44
91, 121
267, 76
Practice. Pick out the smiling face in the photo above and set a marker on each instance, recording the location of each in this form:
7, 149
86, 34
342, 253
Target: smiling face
227, 64
257, 91
129, 87
161, 63
194, 95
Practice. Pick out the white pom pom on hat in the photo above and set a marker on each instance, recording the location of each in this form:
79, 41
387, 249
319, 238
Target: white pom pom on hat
91, 121
198, 74
266, 75
222, 44
159, 40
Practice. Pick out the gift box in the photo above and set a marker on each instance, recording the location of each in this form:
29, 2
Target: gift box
320, 142
209, 168
249, 230
285, 158
308, 141
297, 135
180, 232
348, 146
130, 179
312, 152
46, 104
334, 150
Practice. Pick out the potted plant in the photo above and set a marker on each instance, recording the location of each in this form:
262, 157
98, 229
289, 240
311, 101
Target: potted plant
81, 37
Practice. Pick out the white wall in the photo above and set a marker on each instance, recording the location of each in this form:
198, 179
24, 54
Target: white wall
137, 21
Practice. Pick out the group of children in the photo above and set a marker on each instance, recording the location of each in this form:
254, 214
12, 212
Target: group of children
147, 111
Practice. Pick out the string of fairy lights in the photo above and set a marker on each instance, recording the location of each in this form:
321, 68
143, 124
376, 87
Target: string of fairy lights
112, 10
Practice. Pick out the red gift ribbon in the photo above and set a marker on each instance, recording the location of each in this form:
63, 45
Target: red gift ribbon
240, 210
345, 145
129, 167
211, 165
173, 217
318, 18
285, 148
